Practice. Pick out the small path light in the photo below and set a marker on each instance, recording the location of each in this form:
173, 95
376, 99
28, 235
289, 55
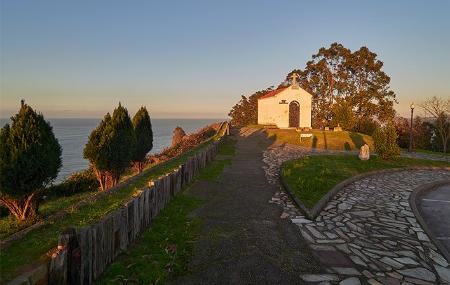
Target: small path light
411, 128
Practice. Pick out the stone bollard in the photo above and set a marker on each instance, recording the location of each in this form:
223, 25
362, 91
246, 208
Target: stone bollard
364, 152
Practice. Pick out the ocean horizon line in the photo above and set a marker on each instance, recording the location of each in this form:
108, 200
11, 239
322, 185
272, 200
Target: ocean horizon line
97, 118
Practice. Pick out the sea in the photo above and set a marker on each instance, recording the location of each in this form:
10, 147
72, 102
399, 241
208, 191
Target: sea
72, 135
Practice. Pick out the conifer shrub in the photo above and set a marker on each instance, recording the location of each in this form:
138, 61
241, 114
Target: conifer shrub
110, 147
80, 181
385, 142
30, 158
144, 137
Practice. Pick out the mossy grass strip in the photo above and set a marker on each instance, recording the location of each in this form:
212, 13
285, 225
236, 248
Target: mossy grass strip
312, 177
163, 250
31, 249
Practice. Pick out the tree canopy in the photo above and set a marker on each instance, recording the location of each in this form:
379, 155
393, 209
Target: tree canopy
144, 137
245, 112
336, 74
111, 146
30, 158
343, 84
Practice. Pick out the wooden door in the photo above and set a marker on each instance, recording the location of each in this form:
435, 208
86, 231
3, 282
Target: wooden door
294, 114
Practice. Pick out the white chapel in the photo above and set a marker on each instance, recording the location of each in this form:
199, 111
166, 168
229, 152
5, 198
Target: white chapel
288, 107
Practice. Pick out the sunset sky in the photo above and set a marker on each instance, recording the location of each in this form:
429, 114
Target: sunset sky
195, 58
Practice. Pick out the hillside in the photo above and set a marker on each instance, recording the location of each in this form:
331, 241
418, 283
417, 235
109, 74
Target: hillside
343, 140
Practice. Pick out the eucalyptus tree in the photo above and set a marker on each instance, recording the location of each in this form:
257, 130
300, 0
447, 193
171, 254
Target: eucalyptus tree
336, 73
245, 112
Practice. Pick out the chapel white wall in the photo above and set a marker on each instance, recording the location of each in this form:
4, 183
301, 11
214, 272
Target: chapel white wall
271, 112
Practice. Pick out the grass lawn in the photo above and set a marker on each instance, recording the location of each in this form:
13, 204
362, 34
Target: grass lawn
32, 248
164, 250
9, 224
322, 139
312, 177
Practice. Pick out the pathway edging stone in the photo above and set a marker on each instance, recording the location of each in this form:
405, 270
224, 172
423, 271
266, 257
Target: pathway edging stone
319, 206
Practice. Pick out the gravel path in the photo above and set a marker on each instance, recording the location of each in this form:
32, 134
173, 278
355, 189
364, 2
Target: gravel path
367, 233
243, 240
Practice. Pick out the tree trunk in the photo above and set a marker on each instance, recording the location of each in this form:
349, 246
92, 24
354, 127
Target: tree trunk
445, 142
115, 181
101, 177
138, 166
444, 137
23, 209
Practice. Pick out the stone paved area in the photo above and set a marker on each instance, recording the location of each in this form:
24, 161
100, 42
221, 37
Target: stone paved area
367, 233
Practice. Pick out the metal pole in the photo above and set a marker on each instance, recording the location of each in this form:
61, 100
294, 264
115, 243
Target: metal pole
411, 131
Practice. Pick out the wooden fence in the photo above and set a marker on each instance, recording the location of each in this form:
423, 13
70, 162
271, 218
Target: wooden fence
83, 254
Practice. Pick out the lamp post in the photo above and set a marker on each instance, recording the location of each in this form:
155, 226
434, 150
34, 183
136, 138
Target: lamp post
411, 128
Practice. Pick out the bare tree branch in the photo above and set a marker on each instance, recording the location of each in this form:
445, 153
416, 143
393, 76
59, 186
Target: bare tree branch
439, 110
435, 106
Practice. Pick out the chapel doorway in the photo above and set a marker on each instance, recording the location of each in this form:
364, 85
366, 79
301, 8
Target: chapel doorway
294, 114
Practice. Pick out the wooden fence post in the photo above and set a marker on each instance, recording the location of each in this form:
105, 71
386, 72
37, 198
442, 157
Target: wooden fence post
82, 256
85, 241
141, 201
60, 269
147, 213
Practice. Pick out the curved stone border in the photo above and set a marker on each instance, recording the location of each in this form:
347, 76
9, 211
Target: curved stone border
414, 199
319, 206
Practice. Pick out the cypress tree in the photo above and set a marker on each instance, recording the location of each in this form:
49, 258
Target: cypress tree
111, 146
30, 158
96, 151
144, 137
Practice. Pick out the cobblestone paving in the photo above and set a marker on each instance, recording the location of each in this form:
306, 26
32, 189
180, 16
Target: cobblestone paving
367, 234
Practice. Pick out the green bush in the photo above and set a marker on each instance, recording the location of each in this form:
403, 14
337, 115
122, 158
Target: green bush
77, 182
385, 141
343, 115
366, 126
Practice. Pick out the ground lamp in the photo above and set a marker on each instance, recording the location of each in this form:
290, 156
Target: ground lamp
411, 128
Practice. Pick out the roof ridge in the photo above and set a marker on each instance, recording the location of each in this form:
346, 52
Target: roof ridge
273, 93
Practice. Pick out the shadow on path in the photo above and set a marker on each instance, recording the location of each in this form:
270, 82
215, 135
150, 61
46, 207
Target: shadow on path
243, 239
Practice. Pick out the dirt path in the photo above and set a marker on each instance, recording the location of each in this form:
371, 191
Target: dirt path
243, 239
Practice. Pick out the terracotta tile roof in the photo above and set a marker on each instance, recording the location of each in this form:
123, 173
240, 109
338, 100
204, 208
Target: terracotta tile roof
273, 93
